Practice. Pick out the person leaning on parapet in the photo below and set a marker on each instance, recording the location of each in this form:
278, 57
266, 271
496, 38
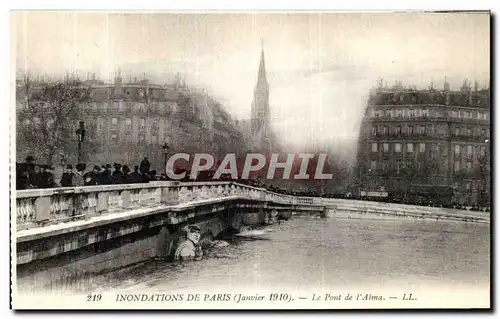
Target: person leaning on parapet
127, 179
46, 179
24, 173
35, 180
152, 176
190, 248
67, 176
78, 179
136, 177
105, 177
117, 175
145, 177
92, 178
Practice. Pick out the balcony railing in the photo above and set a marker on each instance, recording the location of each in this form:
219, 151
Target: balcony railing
42, 207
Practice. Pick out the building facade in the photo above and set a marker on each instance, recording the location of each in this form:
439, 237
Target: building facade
426, 145
135, 119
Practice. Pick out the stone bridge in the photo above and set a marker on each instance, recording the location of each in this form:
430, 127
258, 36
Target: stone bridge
66, 234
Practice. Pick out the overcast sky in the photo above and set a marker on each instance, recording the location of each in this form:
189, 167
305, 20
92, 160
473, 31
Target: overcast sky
320, 66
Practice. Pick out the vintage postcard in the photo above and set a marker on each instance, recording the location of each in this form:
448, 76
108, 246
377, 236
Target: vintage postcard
250, 160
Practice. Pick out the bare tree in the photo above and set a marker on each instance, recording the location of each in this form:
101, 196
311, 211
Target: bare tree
48, 117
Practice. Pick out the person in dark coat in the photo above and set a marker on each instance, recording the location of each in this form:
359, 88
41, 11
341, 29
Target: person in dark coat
67, 177
136, 177
92, 178
117, 175
145, 166
152, 175
28, 177
22, 176
145, 176
127, 178
46, 177
34, 180
105, 177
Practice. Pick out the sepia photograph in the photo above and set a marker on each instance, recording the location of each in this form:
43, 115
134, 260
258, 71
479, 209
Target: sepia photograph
250, 160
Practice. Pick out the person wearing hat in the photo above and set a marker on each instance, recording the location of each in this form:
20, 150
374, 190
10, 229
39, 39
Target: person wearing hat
46, 177
92, 178
26, 173
67, 177
145, 166
78, 179
189, 249
105, 177
127, 179
117, 174
136, 177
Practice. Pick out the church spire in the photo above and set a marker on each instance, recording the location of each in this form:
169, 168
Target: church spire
262, 66
260, 105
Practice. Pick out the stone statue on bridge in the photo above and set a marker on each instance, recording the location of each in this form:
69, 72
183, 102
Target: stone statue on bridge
189, 249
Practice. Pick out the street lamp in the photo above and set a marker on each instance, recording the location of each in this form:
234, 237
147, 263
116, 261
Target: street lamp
80, 133
63, 162
165, 150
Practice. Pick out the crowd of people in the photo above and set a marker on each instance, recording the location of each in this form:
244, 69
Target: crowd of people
30, 175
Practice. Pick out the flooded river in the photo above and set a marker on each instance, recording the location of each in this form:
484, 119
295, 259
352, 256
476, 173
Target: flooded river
306, 253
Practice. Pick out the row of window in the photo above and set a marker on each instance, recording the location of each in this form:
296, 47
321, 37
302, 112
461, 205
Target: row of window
400, 165
420, 148
128, 121
385, 130
425, 113
127, 137
469, 115
469, 131
460, 149
135, 106
398, 147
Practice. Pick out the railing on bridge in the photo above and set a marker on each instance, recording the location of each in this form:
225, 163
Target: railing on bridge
42, 207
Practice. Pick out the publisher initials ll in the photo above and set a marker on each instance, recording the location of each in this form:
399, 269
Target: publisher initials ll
408, 297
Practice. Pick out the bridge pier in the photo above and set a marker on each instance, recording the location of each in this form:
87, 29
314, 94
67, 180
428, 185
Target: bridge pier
328, 212
164, 243
256, 216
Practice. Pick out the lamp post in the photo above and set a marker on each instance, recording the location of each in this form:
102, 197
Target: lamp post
165, 150
63, 163
80, 134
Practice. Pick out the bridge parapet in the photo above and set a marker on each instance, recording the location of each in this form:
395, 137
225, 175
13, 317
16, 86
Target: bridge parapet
42, 207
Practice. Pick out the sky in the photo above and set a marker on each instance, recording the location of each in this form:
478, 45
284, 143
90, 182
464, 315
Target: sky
320, 66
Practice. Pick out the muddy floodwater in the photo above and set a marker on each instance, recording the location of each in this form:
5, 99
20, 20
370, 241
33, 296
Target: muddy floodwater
305, 253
